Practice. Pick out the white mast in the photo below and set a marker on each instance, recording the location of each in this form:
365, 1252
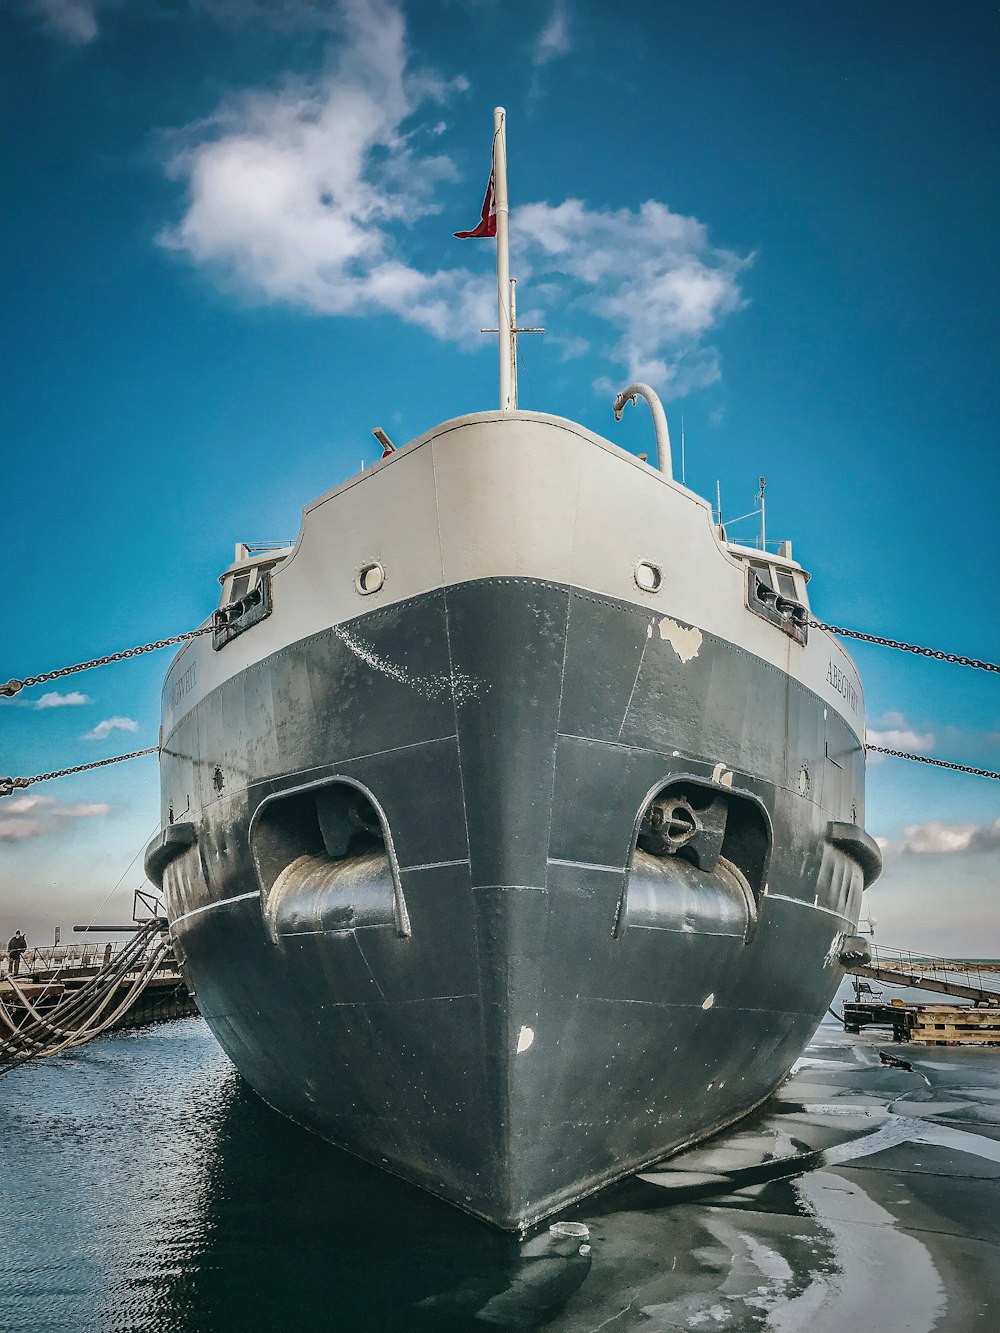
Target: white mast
505, 325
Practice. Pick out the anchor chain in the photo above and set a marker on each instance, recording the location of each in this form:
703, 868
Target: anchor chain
14, 686
9, 785
938, 763
936, 653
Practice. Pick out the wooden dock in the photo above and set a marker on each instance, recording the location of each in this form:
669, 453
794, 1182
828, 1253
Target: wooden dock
955, 1025
927, 1024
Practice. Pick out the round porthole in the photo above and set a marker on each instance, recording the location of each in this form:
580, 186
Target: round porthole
369, 578
648, 576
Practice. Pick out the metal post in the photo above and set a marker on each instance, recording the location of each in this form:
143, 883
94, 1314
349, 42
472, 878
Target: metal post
513, 342
763, 532
504, 322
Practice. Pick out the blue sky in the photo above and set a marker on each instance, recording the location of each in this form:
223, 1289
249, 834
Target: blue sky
227, 256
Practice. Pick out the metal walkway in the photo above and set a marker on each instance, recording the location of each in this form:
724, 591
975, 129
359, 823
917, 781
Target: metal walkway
968, 979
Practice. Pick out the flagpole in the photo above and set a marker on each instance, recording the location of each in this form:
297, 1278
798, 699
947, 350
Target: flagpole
508, 399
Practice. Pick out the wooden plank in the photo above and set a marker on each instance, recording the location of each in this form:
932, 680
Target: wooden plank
956, 1025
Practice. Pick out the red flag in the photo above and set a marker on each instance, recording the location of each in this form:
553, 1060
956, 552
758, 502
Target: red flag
488, 221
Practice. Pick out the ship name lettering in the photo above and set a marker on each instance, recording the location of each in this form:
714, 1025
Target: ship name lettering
842, 684
184, 684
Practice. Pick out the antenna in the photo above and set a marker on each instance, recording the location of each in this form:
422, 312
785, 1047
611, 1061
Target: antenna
683, 482
718, 503
760, 497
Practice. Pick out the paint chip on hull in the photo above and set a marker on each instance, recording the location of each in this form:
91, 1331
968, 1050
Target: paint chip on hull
524, 1039
686, 643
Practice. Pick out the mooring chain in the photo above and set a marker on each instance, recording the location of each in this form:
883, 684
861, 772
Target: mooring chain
936, 653
938, 763
13, 687
8, 785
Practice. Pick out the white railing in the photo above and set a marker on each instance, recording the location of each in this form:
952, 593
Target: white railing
977, 974
67, 957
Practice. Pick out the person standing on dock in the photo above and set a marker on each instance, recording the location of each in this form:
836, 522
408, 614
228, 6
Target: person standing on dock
16, 946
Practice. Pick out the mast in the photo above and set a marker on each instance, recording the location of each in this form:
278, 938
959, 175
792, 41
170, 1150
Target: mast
505, 324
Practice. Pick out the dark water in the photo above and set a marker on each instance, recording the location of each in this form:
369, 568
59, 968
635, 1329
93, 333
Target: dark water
143, 1187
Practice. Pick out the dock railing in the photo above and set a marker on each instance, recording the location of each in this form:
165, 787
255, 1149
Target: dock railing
971, 978
71, 957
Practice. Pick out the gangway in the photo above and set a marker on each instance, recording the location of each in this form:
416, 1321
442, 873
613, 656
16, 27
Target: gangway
967, 978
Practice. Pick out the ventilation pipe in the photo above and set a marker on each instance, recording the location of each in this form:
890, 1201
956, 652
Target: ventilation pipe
630, 395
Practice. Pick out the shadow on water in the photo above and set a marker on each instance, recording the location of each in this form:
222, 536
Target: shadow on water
297, 1234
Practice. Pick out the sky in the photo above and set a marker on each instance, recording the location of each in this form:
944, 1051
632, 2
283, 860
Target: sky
227, 256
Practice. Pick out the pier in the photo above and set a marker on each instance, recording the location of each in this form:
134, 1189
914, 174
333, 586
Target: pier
973, 1024
64, 996
966, 978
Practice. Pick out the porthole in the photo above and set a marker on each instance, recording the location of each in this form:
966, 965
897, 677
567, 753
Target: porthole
369, 578
648, 576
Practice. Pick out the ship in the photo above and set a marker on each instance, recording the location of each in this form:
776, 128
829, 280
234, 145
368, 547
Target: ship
513, 818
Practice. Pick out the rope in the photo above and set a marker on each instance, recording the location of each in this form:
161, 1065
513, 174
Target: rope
79, 1015
14, 686
73, 1001
8, 785
907, 648
938, 763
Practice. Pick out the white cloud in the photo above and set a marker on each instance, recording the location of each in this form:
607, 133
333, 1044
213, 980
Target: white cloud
23, 805
890, 719
305, 195
31, 816
16, 830
553, 40
650, 273
901, 738
53, 699
75, 21
83, 810
569, 348
292, 194
109, 725
937, 837
283, 15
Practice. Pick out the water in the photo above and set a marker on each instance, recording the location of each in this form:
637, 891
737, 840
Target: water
143, 1187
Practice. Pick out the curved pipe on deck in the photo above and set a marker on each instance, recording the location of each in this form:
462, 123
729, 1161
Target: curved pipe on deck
629, 395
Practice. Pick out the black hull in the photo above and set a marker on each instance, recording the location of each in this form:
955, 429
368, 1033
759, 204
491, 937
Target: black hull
502, 1027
